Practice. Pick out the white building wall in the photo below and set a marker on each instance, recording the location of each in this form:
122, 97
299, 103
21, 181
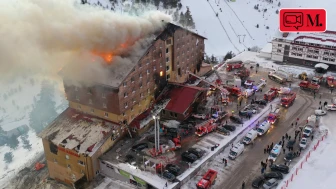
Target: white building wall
278, 49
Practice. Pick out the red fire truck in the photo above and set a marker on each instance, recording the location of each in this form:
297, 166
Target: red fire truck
233, 65
273, 116
235, 91
207, 180
271, 94
331, 82
288, 99
243, 73
306, 85
205, 128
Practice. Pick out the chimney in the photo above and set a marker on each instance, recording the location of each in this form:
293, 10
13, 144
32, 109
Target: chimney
285, 34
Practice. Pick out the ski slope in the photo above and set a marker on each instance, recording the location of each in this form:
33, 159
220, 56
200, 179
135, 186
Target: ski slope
239, 20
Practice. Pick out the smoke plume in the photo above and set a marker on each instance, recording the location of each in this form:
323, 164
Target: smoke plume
40, 35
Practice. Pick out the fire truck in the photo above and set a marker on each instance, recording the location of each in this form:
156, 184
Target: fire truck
306, 85
317, 79
205, 128
273, 116
233, 90
233, 65
331, 82
243, 73
288, 99
207, 180
271, 94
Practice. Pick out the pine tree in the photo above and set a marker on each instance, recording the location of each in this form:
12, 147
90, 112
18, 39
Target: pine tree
26, 143
13, 142
182, 20
229, 55
157, 3
8, 157
44, 109
179, 6
188, 19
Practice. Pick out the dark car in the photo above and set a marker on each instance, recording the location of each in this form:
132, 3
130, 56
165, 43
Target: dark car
229, 127
289, 156
245, 112
257, 182
187, 126
197, 152
260, 102
280, 168
290, 143
276, 175
236, 119
188, 157
223, 131
129, 158
139, 147
168, 176
174, 169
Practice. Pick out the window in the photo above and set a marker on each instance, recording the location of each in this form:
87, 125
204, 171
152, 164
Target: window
67, 156
300, 49
77, 98
141, 95
125, 94
167, 68
147, 71
175, 114
332, 59
326, 59
148, 90
92, 110
316, 51
140, 85
299, 54
167, 50
55, 161
169, 41
140, 65
332, 54
124, 114
160, 54
106, 114
90, 101
326, 53
168, 76
133, 100
90, 91
278, 50
132, 79
79, 107
171, 114
81, 162
140, 75
309, 56
103, 95
161, 73
279, 45
125, 84
132, 109
154, 68
316, 57
104, 105
68, 166
160, 64
167, 59
133, 90
126, 104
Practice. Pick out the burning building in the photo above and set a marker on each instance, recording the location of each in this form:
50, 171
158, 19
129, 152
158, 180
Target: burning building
99, 114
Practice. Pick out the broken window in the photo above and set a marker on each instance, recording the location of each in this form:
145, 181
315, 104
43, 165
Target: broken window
53, 148
80, 162
106, 114
167, 50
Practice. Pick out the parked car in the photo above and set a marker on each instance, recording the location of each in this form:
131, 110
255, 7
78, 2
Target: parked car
320, 112
289, 156
174, 169
303, 143
129, 158
245, 112
229, 127
273, 174
290, 143
187, 126
280, 168
199, 116
257, 182
271, 183
197, 152
139, 147
223, 131
168, 176
188, 157
260, 102
307, 131
330, 107
236, 119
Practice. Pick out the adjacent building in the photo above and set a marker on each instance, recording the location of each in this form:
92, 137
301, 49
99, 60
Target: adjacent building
100, 114
305, 48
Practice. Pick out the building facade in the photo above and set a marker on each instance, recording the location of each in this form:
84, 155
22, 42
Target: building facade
174, 52
305, 48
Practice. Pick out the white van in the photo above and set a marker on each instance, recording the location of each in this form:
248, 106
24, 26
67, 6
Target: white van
236, 150
250, 136
248, 92
275, 152
263, 128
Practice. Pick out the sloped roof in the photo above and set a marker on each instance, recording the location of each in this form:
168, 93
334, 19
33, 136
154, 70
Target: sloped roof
78, 131
182, 97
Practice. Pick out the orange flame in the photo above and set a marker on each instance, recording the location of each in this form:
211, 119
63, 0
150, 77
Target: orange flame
108, 57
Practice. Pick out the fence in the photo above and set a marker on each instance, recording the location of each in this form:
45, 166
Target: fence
296, 172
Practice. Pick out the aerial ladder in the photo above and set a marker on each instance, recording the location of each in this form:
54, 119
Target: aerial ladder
223, 90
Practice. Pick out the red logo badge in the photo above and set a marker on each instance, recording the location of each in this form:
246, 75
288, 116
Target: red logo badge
303, 20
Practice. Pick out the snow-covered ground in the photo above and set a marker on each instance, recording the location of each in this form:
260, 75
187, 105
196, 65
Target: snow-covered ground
17, 98
319, 170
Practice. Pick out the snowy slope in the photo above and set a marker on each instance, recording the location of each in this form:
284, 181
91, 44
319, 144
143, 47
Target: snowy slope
14, 111
218, 42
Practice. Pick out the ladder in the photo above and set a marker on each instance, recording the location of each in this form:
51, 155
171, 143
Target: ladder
218, 75
223, 90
